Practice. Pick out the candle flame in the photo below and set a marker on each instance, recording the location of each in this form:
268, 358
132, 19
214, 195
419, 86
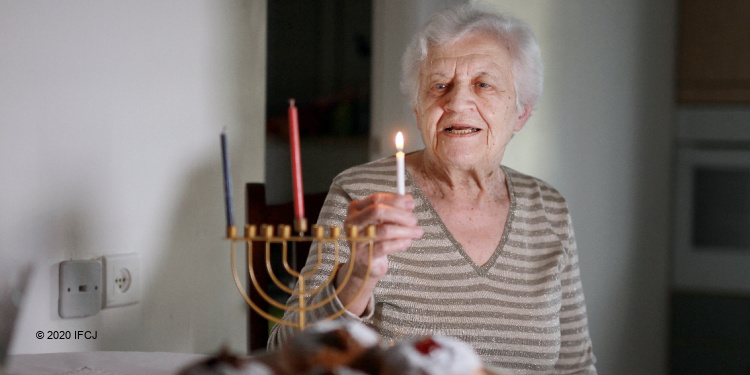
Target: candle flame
400, 141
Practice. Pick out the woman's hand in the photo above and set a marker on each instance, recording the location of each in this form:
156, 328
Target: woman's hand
396, 226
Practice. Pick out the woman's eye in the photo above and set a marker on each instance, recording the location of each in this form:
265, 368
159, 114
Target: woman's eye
440, 86
483, 85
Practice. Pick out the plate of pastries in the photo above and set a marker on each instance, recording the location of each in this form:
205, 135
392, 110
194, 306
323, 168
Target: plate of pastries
348, 347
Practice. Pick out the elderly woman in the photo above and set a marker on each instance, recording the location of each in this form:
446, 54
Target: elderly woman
474, 250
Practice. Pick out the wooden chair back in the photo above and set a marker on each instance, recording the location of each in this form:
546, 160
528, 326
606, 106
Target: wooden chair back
259, 212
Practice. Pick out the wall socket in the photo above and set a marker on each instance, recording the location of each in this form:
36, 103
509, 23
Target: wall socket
122, 280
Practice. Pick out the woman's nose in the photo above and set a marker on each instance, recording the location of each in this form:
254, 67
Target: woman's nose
459, 99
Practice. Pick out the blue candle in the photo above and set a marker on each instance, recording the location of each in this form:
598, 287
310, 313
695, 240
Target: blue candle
227, 180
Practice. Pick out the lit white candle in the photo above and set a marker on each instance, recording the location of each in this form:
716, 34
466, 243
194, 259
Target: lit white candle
400, 164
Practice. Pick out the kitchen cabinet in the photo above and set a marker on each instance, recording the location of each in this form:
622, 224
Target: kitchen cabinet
714, 51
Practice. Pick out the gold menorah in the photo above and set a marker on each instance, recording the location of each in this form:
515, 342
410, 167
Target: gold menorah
320, 236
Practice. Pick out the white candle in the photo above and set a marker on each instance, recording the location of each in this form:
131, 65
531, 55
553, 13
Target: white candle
400, 164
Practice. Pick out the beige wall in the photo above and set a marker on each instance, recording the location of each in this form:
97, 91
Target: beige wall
109, 143
602, 134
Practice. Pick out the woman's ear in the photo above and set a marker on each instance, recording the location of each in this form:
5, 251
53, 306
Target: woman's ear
416, 116
523, 117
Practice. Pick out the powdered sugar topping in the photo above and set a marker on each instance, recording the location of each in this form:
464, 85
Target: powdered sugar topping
434, 355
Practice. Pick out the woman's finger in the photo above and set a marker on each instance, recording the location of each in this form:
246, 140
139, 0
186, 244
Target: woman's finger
376, 214
405, 202
381, 249
390, 231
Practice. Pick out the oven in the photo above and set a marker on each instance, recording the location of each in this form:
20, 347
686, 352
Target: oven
712, 219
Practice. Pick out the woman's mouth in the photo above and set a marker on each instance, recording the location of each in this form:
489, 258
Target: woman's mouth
460, 130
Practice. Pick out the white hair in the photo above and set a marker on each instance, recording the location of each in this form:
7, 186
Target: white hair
451, 24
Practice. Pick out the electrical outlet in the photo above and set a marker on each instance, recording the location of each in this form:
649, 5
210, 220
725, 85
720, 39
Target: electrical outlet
80, 288
122, 280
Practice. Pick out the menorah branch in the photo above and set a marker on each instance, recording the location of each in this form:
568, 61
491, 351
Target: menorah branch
283, 236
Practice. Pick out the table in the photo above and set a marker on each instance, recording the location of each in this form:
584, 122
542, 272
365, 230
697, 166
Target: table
99, 363
110, 363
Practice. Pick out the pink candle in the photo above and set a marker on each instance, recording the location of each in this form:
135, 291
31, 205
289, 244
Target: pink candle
299, 193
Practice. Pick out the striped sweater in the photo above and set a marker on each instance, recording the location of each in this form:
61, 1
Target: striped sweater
523, 311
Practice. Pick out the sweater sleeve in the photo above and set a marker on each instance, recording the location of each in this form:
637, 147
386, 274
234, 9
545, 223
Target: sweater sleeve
576, 354
333, 213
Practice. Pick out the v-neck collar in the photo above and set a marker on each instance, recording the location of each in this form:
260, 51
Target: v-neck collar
482, 270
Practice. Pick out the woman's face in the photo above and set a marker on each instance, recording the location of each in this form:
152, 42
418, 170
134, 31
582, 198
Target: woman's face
466, 104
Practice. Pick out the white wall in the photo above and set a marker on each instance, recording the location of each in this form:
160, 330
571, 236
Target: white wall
109, 143
602, 135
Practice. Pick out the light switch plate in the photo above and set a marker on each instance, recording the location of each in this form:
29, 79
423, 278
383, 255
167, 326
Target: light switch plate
80, 288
